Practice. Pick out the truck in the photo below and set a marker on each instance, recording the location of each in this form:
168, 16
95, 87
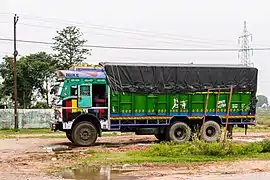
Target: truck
173, 102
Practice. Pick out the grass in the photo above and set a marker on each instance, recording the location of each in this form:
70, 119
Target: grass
257, 128
44, 133
27, 137
29, 133
25, 131
263, 117
215, 149
190, 152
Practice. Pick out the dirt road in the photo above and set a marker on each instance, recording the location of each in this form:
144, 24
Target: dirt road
26, 158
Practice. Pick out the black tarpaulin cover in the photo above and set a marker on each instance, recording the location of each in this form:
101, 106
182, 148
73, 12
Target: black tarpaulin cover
175, 78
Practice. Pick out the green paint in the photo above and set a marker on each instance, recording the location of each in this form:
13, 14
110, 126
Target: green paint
162, 104
84, 95
165, 104
69, 83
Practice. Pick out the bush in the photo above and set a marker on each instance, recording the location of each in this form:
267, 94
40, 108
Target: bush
209, 149
265, 145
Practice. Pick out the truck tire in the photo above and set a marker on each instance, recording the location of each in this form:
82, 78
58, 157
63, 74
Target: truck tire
161, 136
84, 133
179, 132
211, 131
69, 136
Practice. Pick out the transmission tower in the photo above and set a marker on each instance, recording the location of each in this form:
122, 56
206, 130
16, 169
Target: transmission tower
244, 52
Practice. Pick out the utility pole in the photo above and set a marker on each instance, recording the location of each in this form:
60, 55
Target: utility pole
244, 52
16, 124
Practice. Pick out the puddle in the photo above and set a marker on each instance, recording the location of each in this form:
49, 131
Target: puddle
96, 173
145, 144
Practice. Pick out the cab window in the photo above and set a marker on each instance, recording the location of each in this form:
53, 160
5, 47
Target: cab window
73, 90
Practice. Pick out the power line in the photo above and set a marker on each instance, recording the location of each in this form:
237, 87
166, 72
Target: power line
128, 37
138, 32
145, 48
131, 31
102, 34
5, 53
125, 30
110, 35
6, 13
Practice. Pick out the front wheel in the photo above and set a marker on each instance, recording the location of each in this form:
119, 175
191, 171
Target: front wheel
84, 134
179, 132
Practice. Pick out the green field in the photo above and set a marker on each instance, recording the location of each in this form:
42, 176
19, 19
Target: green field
263, 117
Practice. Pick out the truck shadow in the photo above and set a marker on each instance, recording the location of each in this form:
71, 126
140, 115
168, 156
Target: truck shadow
109, 144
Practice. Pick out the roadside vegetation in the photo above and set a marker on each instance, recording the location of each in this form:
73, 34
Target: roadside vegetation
196, 151
255, 129
263, 117
25, 131
30, 133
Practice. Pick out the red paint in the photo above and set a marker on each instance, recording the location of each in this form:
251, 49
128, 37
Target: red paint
93, 74
101, 113
99, 100
68, 111
59, 114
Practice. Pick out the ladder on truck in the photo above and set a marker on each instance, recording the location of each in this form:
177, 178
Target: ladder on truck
228, 108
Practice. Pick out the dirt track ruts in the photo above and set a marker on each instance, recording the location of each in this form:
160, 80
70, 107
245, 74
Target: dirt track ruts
24, 158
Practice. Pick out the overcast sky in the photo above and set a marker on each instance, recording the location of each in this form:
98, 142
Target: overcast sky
145, 23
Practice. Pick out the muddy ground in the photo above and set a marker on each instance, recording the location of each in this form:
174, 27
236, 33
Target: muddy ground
25, 158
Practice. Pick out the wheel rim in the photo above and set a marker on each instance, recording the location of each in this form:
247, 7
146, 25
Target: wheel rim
180, 133
211, 131
85, 134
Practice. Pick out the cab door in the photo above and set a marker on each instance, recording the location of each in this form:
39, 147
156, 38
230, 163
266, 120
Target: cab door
85, 95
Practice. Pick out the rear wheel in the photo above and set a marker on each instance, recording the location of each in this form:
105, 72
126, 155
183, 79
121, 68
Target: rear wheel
69, 136
211, 131
84, 134
179, 132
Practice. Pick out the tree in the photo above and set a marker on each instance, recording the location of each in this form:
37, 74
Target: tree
40, 105
262, 100
69, 47
7, 89
42, 66
32, 72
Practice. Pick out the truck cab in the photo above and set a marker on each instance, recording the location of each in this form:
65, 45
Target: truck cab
80, 91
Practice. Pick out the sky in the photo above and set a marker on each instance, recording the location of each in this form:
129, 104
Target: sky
145, 23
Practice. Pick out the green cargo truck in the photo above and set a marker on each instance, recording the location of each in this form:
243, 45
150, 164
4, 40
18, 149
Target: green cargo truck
171, 101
